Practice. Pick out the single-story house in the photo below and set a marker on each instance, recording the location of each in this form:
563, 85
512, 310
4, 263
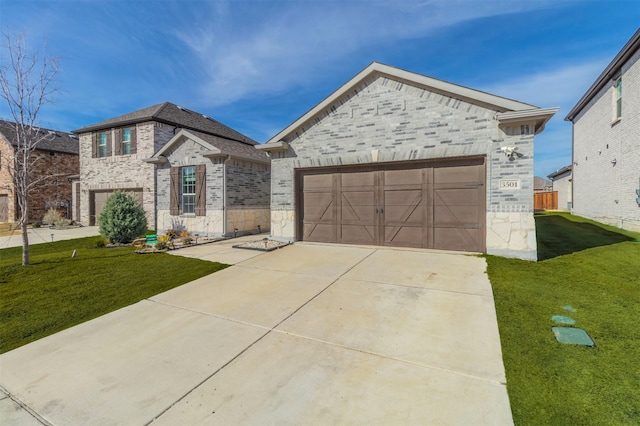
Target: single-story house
395, 158
562, 184
210, 185
606, 143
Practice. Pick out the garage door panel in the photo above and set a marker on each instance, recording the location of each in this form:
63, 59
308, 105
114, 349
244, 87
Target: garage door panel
457, 196
358, 179
318, 207
318, 181
4, 208
458, 174
436, 205
357, 234
458, 239
403, 236
402, 177
319, 232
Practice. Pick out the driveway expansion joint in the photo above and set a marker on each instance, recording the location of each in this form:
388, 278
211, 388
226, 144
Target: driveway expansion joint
23, 406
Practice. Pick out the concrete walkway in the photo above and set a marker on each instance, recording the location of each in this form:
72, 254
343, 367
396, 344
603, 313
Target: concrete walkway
43, 235
308, 334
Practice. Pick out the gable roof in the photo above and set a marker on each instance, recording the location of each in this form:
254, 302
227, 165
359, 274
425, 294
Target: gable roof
610, 72
540, 183
169, 113
52, 140
500, 104
216, 147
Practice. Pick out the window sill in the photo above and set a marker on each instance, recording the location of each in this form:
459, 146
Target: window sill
616, 121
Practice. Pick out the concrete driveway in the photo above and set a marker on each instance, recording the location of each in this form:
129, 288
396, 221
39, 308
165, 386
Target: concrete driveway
308, 334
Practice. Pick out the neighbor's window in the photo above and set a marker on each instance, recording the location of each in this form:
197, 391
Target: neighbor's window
188, 179
102, 144
126, 141
619, 98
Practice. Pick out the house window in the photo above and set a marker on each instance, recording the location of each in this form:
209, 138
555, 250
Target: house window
188, 179
102, 144
126, 141
618, 98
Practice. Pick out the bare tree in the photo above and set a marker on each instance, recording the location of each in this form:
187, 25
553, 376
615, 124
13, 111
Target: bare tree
28, 82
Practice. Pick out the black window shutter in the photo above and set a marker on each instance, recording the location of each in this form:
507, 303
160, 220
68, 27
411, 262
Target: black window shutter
94, 145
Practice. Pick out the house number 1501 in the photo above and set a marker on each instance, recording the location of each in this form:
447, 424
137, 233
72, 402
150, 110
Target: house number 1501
510, 184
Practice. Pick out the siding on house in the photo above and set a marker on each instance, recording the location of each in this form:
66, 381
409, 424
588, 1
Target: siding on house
603, 190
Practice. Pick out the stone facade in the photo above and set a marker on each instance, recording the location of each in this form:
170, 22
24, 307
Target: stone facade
51, 169
606, 153
122, 172
383, 119
243, 209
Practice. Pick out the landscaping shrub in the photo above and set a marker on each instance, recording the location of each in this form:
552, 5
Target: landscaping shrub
122, 220
51, 217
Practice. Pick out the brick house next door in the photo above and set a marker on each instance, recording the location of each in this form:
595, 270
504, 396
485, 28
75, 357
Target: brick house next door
438, 204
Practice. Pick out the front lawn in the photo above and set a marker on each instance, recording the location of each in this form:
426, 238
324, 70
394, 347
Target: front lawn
56, 292
550, 383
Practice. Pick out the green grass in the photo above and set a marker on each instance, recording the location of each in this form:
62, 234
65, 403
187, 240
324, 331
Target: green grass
56, 292
555, 384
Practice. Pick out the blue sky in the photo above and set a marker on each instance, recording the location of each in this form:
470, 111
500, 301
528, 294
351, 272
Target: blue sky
258, 65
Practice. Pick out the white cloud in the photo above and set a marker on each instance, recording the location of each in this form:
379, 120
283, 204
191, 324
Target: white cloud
269, 50
559, 87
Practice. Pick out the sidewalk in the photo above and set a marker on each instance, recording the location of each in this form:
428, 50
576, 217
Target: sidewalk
46, 235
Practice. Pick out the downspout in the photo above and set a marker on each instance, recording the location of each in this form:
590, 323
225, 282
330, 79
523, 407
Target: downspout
224, 196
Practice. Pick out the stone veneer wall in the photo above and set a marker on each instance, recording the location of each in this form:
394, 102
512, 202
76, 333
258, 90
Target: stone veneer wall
601, 190
383, 120
247, 193
123, 171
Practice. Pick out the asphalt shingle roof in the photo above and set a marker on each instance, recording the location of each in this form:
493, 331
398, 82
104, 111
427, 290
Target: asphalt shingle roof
169, 113
232, 147
52, 140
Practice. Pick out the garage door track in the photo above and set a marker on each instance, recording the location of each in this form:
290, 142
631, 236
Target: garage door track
308, 334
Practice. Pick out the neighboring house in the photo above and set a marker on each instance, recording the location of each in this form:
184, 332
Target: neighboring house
112, 155
211, 185
606, 143
541, 184
562, 182
400, 159
54, 159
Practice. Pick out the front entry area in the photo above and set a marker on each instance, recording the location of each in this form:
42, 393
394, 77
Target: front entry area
437, 204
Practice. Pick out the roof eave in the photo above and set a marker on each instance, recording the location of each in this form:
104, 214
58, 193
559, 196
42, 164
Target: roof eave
280, 146
538, 115
610, 72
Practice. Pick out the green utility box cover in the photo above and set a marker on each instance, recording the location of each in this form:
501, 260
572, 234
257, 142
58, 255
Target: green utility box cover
573, 336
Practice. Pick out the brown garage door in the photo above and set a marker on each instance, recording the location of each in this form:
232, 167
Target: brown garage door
99, 198
4, 208
430, 205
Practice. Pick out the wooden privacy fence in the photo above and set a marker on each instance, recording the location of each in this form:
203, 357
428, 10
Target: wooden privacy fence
545, 200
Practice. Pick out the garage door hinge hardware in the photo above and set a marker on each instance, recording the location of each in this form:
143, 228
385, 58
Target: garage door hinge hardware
475, 185
380, 210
